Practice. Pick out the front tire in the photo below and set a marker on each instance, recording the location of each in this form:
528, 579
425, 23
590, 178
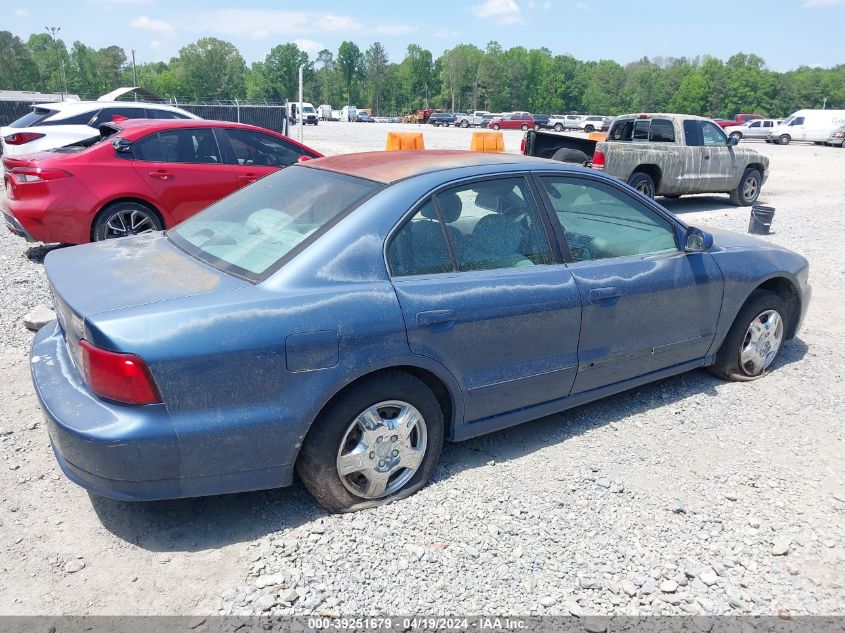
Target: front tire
748, 189
524, 127
736, 135
377, 442
784, 139
589, 129
558, 127
496, 126
643, 183
464, 124
754, 340
123, 219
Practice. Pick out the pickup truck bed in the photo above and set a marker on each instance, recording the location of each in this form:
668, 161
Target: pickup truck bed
547, 144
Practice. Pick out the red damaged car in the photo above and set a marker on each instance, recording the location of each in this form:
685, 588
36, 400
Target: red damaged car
137, 176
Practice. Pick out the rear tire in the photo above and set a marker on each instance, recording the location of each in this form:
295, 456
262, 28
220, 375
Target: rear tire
123, 219
739, 341
496, 126
736, 135
465, 124
643, 183
524, 127
748, 189
589, 129
329, 440
784, 139
567, 155
558, 127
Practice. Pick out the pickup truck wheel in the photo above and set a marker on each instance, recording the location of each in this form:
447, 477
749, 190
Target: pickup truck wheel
754, 340
784, 139
643, 183
558, 127
464, 123
566, 155
589, 129
736, 135
377, 442
748, 189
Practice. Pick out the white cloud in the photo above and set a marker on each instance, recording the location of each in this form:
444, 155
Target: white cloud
309, 46
532, 4
547, 5
818, 4
155, 45
21, 13
266, 22
501, 11
150, 24
121, 1
583, 6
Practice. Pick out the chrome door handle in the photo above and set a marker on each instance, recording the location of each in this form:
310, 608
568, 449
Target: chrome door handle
605, 296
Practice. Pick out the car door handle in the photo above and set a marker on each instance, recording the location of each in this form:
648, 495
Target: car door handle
605, 296
161, 174
442, 318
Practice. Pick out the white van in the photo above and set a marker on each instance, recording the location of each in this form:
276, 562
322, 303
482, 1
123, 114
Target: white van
807, 125
309, 114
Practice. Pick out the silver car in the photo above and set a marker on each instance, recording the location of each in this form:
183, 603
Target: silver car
837, 137
758, 128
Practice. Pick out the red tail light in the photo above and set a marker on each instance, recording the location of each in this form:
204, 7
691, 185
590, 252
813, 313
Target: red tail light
598, 160
19, 138
37, 174
522, 146
120, 377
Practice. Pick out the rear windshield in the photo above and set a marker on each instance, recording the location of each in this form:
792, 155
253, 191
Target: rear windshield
254, 231
32, 118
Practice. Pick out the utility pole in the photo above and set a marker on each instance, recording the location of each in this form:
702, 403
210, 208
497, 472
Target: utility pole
53, 31
824, 104
134, 76
299, 106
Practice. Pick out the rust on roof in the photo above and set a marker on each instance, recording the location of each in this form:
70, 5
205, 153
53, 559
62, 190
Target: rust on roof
389, 167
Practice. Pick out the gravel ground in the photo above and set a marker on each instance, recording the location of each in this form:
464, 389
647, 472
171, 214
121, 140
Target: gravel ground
690, 495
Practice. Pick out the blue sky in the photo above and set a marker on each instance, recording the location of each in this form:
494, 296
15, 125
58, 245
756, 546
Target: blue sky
786, 33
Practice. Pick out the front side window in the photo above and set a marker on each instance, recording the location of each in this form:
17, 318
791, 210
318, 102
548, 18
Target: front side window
799, 120
257, 148
601, 222
190, 146
712, 134
754, 124
251, 232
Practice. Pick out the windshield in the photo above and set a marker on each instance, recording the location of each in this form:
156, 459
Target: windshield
788, 120
308, 109
252, 233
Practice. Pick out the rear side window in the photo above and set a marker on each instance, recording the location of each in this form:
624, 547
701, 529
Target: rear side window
149, 149
32, 118
662, 131
190, 146
419, 248
109, 115
641, 130
692, 132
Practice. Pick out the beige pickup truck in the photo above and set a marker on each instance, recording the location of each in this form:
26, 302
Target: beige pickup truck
664, 155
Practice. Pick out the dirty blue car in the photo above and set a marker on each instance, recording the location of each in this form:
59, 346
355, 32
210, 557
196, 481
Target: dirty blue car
345, 317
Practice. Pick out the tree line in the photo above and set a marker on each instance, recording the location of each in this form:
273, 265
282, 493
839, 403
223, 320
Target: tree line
463, 78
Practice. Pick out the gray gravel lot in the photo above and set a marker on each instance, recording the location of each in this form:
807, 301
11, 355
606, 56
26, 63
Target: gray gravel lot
690, 495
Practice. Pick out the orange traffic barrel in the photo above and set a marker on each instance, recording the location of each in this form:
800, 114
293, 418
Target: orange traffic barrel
397, 141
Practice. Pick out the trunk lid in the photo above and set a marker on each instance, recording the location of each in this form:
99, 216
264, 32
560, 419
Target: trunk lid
126, 272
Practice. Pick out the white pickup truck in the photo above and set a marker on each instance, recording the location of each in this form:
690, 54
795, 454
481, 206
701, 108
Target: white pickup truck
475, 119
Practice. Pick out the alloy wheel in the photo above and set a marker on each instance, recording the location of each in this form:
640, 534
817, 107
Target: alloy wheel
130, 222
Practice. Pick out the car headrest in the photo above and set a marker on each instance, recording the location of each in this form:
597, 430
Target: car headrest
487, 199
450, 206
267, 221
498, 235
428, 211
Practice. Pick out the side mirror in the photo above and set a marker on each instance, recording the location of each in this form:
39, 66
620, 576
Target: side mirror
697, 241
121, 145
732, 140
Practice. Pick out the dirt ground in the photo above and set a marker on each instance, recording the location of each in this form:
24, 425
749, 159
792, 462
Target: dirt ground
65, 552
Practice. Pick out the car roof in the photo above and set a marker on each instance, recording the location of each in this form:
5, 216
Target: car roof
75, 107
389, 167
664, 115
130, 125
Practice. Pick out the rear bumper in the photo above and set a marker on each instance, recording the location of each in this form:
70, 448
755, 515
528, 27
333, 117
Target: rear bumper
119, 451
16, 227
61, 212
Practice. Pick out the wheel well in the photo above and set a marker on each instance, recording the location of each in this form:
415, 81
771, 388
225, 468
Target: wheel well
758, 167
431, 380
785, 289
144, 203
651, 170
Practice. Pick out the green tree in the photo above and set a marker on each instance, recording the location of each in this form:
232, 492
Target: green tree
692, 96
211, 69
605, 83
350, 65
281, 69
375, 64
17, 70
325, 59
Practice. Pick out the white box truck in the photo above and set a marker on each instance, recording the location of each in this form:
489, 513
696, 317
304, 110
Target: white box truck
812, 126
324, 112
349, 113
309, 114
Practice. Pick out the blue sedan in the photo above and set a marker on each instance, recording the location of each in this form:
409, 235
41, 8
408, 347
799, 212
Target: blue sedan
345, 317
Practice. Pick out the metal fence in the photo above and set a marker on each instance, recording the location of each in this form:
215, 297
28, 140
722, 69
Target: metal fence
270, 116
